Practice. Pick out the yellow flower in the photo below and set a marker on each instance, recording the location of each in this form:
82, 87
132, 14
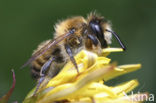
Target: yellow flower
88, 86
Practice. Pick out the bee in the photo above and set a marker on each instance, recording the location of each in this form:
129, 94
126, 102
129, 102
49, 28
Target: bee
71, 36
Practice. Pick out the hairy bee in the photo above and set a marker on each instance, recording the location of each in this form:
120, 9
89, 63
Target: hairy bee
71, 36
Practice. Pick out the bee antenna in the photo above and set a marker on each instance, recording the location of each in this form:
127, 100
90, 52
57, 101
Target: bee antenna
118, 39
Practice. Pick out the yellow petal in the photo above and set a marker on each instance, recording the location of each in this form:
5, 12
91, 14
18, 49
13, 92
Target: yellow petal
67, 90
135, 98
80, 88
107, 51
119, 90
92, 89
85, 60
120, 70
125, 87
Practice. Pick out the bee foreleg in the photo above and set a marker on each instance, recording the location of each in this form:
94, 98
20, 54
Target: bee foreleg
93, 39
69, 52
43, 71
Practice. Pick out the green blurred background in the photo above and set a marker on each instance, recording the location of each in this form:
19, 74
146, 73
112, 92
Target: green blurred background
26, 23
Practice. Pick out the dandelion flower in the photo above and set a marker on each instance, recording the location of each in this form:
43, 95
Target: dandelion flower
89, 85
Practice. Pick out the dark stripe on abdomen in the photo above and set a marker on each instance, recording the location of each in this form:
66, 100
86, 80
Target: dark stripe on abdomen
35, 73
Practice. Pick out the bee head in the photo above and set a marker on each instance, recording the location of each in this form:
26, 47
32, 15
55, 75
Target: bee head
101, 28
97, 26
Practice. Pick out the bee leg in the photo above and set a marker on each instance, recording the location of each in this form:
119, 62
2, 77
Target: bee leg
69, 52
93, 39
41, 79
43, 71
46, 66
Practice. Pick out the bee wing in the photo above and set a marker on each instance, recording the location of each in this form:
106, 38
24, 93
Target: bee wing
46, 47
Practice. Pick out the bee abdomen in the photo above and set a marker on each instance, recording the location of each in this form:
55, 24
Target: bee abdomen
35, 73
37, 64
36, 67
